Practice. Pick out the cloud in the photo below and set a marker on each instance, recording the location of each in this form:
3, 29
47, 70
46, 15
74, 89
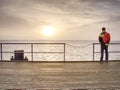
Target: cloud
10, 15
70, 15
9, 20
69, 9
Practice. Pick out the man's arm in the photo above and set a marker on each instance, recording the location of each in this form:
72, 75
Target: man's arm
100, 38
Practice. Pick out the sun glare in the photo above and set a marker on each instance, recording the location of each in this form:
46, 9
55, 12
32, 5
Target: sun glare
48, 30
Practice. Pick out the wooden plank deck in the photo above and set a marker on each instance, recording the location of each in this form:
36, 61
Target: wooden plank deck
59, 76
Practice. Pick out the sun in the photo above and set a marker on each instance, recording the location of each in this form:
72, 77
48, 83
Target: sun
48, 30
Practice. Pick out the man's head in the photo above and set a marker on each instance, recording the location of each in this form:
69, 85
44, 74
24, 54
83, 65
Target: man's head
103, 29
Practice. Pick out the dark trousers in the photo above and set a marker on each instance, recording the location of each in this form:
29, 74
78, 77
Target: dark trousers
104, 48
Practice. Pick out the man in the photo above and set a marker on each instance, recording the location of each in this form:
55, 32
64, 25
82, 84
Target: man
104, 39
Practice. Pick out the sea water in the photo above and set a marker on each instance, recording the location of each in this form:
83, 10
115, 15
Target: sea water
75, 50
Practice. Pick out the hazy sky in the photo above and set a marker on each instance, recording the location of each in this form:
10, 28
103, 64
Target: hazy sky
73, 19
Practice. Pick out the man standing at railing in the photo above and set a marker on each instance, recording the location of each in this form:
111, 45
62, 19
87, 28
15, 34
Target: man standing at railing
104, 39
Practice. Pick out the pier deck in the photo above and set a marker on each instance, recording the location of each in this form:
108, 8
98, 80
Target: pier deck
59, 76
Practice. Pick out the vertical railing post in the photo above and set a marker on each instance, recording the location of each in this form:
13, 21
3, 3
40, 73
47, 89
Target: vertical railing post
64, 51
1, 50
93, 51
32, 51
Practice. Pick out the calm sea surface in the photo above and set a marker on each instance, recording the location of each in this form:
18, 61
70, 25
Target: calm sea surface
76, 50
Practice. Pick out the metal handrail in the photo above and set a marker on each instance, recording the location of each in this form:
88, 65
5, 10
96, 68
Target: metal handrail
32, 52
100, 52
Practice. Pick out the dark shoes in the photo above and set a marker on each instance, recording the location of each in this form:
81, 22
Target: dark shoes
107, 62
101, 62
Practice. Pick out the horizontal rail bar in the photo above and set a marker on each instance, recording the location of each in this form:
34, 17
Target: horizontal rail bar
32, 43
32, 48
109, 43
100, 52
34, 52
109, 52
